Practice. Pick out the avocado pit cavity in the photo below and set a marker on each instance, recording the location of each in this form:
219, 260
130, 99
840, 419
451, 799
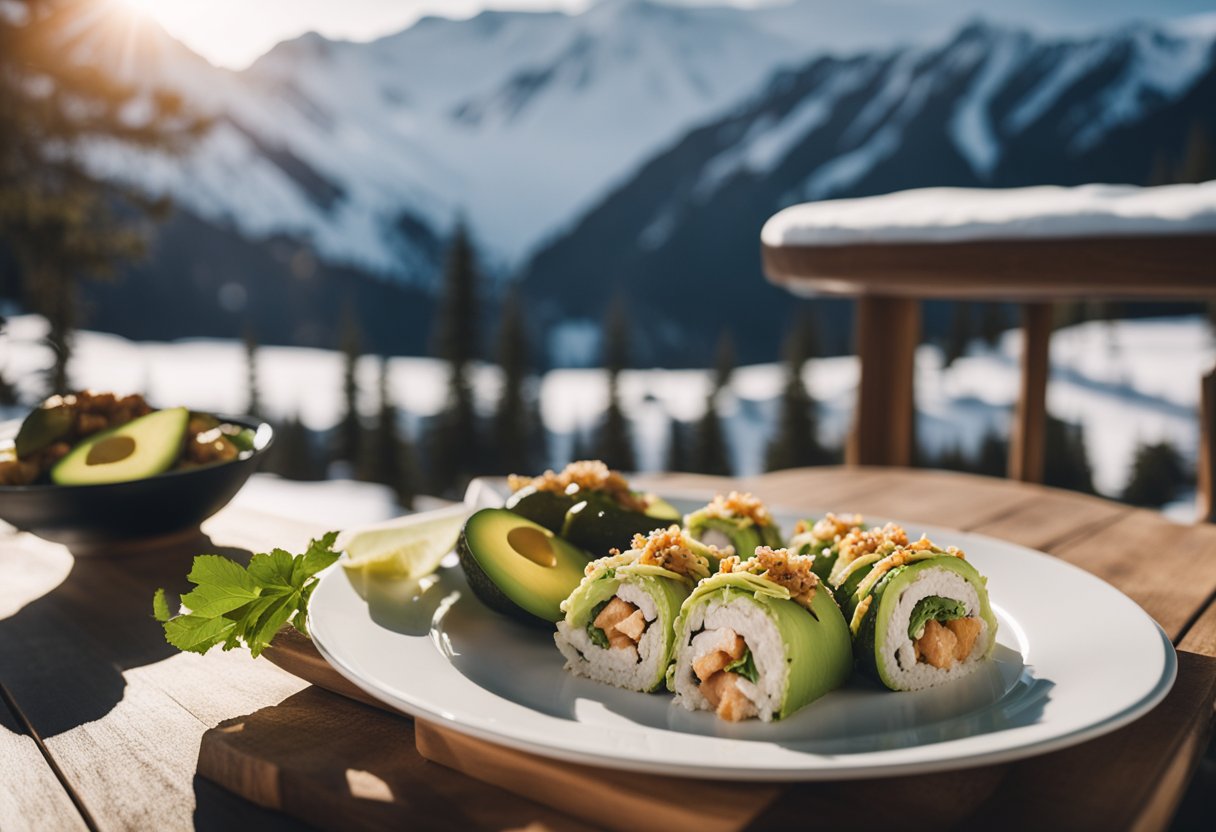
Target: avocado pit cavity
533, 544
110, 450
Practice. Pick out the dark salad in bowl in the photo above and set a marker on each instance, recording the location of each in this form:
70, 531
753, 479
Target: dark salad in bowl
88, 438
93, 465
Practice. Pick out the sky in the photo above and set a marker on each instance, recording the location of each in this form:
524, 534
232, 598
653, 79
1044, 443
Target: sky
234, 33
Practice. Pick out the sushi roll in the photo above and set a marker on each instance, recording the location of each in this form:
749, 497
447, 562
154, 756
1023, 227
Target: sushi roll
620, 620
821, 539
738, 521
761, 638
921, 617
856, 552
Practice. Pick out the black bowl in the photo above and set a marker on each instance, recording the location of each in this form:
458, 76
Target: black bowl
165, 503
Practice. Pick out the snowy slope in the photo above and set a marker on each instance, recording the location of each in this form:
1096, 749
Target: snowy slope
1126, 382
991, 107
518, 121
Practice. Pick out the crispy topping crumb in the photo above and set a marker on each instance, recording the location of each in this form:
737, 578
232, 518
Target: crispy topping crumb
673, 549
585, 475
781, 567
830, 527
736, 505
858, 542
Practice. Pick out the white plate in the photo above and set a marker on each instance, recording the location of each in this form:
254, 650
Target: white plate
1075, 658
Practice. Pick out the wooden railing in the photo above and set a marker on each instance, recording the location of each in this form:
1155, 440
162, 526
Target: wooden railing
890, 279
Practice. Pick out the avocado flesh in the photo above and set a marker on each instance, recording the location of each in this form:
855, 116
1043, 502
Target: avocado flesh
518, 567
141, 448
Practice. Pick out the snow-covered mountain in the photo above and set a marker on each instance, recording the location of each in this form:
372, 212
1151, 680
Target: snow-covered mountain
992, 107
517, 121
637, 146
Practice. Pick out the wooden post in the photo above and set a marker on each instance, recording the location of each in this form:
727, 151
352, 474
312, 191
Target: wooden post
1027, 443
887, 331
1207, 448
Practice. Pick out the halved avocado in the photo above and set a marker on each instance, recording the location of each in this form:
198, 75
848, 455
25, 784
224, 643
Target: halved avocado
517, 567
547, 508
141, 448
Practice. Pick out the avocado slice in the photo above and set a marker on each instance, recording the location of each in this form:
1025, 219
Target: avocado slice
517, 567
141, 448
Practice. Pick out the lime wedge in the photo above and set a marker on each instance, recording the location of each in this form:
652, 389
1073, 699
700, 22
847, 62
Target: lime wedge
408, 547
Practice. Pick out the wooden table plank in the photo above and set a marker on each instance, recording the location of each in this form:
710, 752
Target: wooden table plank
369, 775
1167, 568
116, 706
31, 796
1200, 636
113, 704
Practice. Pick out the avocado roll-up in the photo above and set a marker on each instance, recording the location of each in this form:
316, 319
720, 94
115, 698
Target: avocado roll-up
762, 638
589, 505
619, 624
856, 552
739, 521
821, 539
921, 617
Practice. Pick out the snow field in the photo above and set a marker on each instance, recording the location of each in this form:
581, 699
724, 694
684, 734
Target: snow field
1125, 382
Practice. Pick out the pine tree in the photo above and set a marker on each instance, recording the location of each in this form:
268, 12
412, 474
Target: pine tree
992, 323
581, 446
796, 442
677, 446
456, 446
1067, 460
389, 458
350, 429
253, 399
1158, 476
57, 223
615, 442
993, 457
294, 454
711, 454
513, 418
960, 334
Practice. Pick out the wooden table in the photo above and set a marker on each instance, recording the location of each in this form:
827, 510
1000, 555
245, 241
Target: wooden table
101, 722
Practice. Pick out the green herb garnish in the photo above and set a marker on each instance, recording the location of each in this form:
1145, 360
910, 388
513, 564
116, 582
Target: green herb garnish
598, 637
235, 606
936, 608
745, 666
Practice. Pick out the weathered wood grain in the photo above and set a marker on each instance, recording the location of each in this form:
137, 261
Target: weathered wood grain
115, 706
112, 703
338, 765
31, 797
614, 800
1167, 568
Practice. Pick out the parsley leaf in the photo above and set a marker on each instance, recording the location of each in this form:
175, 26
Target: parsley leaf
234, 606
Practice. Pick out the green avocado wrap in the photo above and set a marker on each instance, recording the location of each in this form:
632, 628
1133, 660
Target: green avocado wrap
750, 646
920, 617
737, 520
619, 626
821, 539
